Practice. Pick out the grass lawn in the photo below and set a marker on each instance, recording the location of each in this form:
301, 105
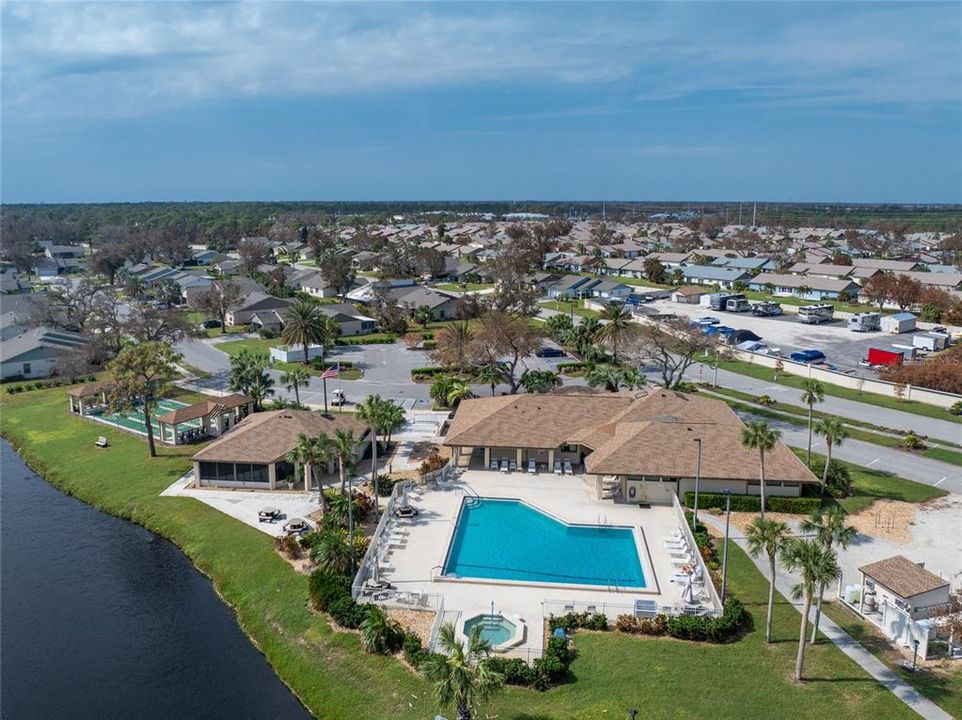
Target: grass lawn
235, 347
565, 307
871, 485
334, 677
760, 372
466, 287
941, 682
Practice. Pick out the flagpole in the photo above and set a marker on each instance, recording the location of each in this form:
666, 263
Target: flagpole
324, 380
340, 388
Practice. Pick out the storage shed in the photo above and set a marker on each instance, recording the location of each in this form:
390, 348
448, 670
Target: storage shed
898, 323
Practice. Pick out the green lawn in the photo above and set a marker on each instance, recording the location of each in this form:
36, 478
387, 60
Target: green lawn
565, 307
761, 372
466, 287
334, 677
235, 347
871, 485
942, 684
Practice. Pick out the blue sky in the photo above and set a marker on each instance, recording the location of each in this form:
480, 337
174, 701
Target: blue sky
644, 101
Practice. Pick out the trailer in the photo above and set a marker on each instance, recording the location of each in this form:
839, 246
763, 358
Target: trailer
931, 343
878, 357
815, 314
766, 309
865, 322
898, 323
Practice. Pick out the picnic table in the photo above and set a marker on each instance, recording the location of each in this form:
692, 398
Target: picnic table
268, 514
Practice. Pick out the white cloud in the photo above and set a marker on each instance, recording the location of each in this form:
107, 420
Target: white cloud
131, 58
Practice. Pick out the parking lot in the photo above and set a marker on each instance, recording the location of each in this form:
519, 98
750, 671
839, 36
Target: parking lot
842, 347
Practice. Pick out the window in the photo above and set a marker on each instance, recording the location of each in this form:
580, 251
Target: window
225, 472
26, 368
208, 471
284, 471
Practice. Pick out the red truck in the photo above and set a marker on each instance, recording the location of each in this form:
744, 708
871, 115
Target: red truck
878, 356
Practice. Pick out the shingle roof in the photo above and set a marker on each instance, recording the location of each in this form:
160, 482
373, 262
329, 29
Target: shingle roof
203, 408
648, 435
902, 576
266, 437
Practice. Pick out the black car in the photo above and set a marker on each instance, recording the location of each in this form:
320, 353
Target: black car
549, 352
208, 324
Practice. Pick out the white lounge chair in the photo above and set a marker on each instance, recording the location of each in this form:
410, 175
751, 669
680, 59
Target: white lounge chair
504, 466
512, 465
557, 467
679, 545
493, 465
567, 467
532, 466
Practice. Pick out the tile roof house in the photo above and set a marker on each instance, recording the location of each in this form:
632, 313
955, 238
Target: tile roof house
645, 440
254, 454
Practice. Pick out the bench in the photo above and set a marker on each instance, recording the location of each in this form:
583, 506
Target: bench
101, 442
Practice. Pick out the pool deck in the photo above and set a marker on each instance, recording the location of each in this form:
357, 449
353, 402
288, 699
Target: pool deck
414, 559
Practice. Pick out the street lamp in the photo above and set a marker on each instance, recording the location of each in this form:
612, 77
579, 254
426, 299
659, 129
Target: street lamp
350, 517
633, 713
915, 654
728, 516
697, 484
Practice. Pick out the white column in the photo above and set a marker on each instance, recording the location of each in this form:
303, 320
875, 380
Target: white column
487, 458
551, 460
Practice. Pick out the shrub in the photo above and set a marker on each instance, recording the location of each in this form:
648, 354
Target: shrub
686, 387
753, 503
764, 400
432, 371
573, 621
566, 367
839, 483
267, 333
956, 408
414, 654
387, 339
379, 634
347, 613
288, 545
433, 463
657, 625
384, 484
515, 671
430, 345
709, 629
326, 588
912, 441
323, 364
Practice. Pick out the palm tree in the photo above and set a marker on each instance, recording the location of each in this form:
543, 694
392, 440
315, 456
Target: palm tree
293, 379
342, 449
585, 332
818, 566
605, 376
759, 436
834, 432
618, 326
462, 675
331, 551
422, 316
303, 326
768, 536
458, 391
490, 374
812, 392
440, 388
379, 632
372, 412
454, 342
261, 387
830, 530
540, 381
394, 419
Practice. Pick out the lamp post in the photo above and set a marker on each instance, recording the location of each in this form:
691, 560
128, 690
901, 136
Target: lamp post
633, 713
697, 484
714, 379
728, 516
350, 518
915, 654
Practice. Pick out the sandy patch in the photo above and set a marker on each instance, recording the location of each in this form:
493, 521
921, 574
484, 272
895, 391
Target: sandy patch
416, 621
886, 519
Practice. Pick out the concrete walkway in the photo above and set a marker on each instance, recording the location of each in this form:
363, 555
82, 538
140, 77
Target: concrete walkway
868, 662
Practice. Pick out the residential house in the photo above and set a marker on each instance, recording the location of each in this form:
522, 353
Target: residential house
940, 280
689, 294
349, 319
670, 260
316, 285
261, 311
894, 266
644, 444
571, 286
413, 297
748, 264
710, 275
804, 286
35, 353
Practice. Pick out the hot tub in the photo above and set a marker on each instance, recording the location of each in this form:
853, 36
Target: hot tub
502, 632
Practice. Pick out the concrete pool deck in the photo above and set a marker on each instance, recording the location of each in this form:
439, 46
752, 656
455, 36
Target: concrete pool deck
414, 552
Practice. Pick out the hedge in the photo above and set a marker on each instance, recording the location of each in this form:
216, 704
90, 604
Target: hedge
753, 503
41, 384
367, 340
319, 364
561, 367
710, 629
432, 371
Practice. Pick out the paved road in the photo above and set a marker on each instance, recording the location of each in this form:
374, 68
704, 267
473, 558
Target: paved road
874, 667
895, 419
898, 462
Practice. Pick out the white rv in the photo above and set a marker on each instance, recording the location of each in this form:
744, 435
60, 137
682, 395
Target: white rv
865, 322
815, 314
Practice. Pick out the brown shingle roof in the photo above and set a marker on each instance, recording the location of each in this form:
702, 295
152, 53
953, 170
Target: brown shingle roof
93, 388
902, 576
203, 408
649, 435
267, 436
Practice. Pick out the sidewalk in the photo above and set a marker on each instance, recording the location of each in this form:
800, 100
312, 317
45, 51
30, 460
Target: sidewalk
868, 662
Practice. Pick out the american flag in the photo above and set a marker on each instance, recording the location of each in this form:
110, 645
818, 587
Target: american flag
331, 372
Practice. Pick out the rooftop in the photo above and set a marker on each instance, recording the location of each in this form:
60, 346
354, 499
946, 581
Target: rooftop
902, 576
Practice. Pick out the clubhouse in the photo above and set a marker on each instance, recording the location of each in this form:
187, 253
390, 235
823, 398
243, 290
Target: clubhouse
633, 447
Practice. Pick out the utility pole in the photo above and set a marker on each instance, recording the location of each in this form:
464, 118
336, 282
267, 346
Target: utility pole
754, 213
697, 483
728, 517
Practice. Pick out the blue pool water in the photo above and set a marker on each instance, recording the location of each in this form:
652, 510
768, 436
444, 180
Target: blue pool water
509, 540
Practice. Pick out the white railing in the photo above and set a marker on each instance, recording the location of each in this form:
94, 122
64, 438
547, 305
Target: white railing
716, 602
371, 556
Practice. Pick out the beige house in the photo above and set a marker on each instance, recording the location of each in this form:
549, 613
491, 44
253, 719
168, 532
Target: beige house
254, 454
632, 447
899, 583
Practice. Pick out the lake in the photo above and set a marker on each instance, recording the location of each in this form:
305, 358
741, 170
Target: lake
103, 619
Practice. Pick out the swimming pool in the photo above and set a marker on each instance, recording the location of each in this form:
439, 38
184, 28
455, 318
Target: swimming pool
511, 540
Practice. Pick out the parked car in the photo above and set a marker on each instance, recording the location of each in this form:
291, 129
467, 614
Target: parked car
548, 351
209, 324
708, 320
808, 356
